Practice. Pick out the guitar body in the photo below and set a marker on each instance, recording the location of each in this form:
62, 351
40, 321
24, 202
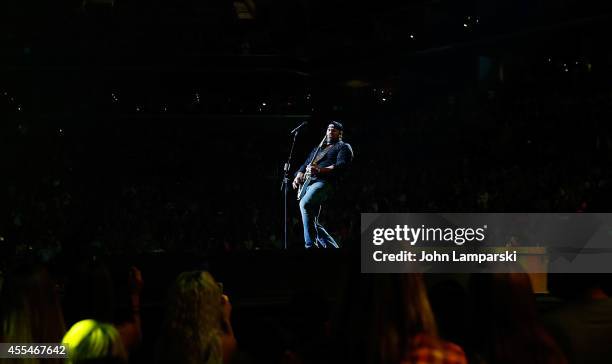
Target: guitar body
304, 186
307, 176
302, 189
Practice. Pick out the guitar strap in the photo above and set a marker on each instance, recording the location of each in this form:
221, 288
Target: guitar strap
322, 154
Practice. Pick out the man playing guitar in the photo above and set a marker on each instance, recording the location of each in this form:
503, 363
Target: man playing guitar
316, 179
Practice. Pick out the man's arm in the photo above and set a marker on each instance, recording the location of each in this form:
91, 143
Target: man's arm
322, 170
344, 157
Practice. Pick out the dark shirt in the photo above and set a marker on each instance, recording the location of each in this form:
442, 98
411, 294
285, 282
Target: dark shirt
339, 155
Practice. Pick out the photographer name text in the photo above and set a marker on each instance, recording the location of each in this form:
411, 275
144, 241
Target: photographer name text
435, 256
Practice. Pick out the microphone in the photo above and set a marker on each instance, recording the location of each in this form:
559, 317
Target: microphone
304, 123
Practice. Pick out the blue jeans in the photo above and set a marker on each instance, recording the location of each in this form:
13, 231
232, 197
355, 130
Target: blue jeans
315, 234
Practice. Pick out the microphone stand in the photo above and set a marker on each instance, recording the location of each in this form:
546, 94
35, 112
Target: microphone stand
285, 185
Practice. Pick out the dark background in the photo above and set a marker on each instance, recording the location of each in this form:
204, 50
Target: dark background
135, 126
154, 133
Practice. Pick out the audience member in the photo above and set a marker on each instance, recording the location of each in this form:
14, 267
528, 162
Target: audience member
92, 342
388, 319
29, 308
197, 327
90, 294
504, 324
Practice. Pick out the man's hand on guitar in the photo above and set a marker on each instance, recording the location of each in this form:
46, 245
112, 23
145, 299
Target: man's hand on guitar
313, 170
299, 179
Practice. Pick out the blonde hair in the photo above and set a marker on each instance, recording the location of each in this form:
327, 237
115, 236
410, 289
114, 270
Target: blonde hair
192, 328
385, 315
90, 339
29, 308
